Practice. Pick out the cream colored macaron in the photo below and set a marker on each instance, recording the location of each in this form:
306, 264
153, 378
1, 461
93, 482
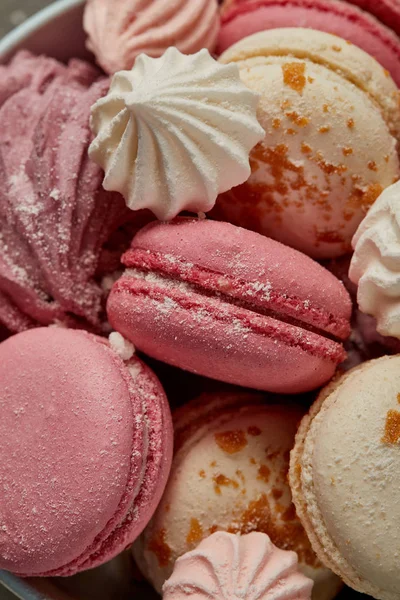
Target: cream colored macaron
331, 117
230, 474
345, 477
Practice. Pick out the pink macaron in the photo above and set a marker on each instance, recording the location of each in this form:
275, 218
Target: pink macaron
85, 452
231, 304
387, 11
245, 17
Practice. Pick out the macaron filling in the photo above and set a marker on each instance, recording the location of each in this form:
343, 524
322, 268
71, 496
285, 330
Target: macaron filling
250, 306
259, 297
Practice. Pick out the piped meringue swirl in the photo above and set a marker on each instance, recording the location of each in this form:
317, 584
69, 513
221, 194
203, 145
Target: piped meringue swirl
375, 266
231, 567
174, 132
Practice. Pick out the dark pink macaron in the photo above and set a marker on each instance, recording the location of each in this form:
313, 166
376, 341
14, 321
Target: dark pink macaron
85, 451
232, 305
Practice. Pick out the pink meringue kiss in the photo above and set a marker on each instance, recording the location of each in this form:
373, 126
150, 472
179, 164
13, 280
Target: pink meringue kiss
119, 31
228, 566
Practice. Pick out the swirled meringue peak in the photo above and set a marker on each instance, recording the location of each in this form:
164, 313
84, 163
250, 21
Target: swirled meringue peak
174, 132
375, 265
119, 30
227, 566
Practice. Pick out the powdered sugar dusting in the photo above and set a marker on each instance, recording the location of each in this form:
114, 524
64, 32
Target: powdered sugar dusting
265, 288
134, 370
121, 346
54, 215
55, 194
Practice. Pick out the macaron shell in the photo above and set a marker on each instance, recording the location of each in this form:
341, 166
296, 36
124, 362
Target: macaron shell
182, 303
387, 11
88, 454
195, 338
344, 477
327, 155
67, 430
229, 474
224, 249
333, 17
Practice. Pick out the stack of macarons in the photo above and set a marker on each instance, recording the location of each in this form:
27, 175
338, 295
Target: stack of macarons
241, 18
267, 183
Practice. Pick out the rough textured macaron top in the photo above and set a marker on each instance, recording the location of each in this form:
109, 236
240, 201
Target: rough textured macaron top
330, 114
73, 448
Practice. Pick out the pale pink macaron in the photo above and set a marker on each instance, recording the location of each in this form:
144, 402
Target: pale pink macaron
245, 17
231, 304
226, 565
86, 447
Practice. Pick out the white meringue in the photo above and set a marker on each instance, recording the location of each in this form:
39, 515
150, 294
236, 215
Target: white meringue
231, 567
174, 132
375, 266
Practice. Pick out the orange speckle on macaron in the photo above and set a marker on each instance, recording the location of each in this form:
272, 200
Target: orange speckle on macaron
231, 441
294, 76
